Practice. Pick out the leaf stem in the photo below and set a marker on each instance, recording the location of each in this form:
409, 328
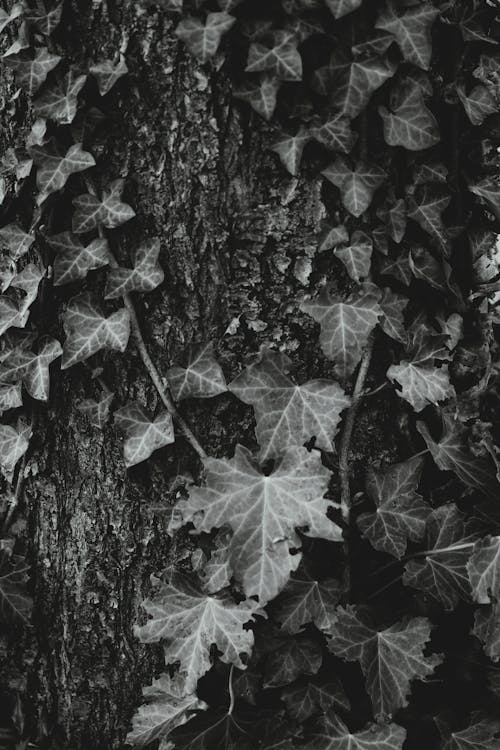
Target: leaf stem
231, 691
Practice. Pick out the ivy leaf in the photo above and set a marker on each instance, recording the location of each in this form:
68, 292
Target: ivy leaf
442, 571
261, 97
15, 602
288, 414
14, 442
293, 658
480, 735
30, 72
263, 512
168, 705
411, 124
401, 513
357, 255
278, 55
9, 314
487, 630
451, 454
54, 170
190, 621
15, 241
390, 659
10, 397
341, 8
335, 134
394, 216
109, 212
345, 325
425, 267
330, 733
216, 573
357, 184
60, 101
479, 104
332, 236
376, 44
201, 377
305, 600
426, 208
32, 368
411, 29
107, 73
6, 17
143, 435
289, 149
88, 330
398, 268
392, 305
484, 570
46, 21
315, 696
28, 280
145, 275
97, 411
74, 260
203, 39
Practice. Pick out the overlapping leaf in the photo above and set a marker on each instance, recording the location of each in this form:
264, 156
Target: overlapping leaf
46, 21
356, 255
392, 305
107, 73
482, 734
357, 184
426, 208
15, 241
190, 621
30, 367
263, 512
411, 29
14, 442
60, 101
88, 330
15, 602
478, 104
143, 434
109, 212
30, 72
10, 397
487, 629
261, 97
484, 570
317, 695
390, 659
145, 275
201, 377
345, 324
288, 414
277, 54
291, 659
74, 260
330, 733
305, 600
54, 169
410, 124
334, 133
7, 16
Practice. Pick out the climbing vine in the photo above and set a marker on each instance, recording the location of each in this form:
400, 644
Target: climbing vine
277, 605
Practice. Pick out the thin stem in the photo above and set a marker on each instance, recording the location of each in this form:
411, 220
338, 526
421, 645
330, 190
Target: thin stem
231, 691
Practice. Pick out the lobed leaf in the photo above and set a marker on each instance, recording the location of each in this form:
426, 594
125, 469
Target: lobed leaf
201, 377
107, 73
293, 658
410, 124
356, 256
145, 275
109, 212
15, 241
60, 101
10, 397
314, 697
305, 600
203, 39
14, 442
30, 367
357, 184
487, 630
411, 30
143, 435
277, 55
15, 603
97, 411
330, 733
30, 72
484, 570
74, 260
341, 8
289, 149
54, 170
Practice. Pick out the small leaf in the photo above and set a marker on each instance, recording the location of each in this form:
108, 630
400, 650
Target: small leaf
314, 697
109, 212
30, 72
6, 17
107, 73
261, 97
60, 101
15, 241
30, 367
479, 104
168, 705
390, 659
289, 149
203, 39
9, 314
451, 454
487, 630
97, 411
356, 256
190, 621
288, 414
411, 29
335, 134
341, 8
426, 267
46, 21
201, 377
10, 397
330, 733
442, 571
484, 570
278, 55
392, 321
28, 280
293, 658
345, 325
426, 209
54, 170
401, 513
88, 330
398, 267
145, 275
14, 442
332, 236
73, 260
410, 124
394, 216
143, 435
263, 513
15, 602
357, 184
305, 600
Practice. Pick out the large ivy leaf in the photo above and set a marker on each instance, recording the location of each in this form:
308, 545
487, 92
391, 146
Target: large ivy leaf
426, 207
330, 733
305, 600
145, 275
263, 511
334, 133
277, 54
291, 659
356, 255
410, 124
484, 570
190, 621
168, 705
341, 8
54, 170
107, 73
345, 325
109, 212
60, 101
289, 149
390, 659
88, 330
303, 700
401, 513
143, 435
411, 29
201, 377
288, 414
450, 454
46, 21
15, 241
14, 442
15, 602
30, 367
487, 629
441, 571
30, 72
357, 184
203, 39
261, 97
74, 260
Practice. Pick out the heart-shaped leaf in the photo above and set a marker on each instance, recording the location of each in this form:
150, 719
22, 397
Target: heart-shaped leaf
426, 207
143, 434
410, 124
109, 212
145, 275
107, 73
357, 255
14, 442
411, 29
289, 149
97, 411
15, 241
30, 72
54, 170
201, 377
60, 101
357, 184
74, 260
335, 134
30, 367
479, 104
262, 96
203, 39
46, 21
278, 55
341, 8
